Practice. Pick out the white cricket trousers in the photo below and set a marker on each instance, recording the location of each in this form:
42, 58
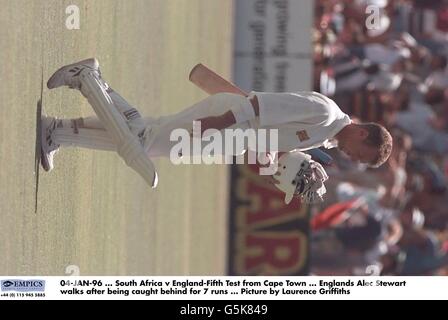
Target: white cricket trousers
90, 133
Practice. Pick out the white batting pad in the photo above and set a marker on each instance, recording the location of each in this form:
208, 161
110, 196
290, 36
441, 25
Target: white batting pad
97, 139
129, 146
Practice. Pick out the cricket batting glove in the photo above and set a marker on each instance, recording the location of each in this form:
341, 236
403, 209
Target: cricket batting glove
299, 176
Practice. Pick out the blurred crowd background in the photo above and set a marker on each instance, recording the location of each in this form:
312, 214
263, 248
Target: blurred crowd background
385, 61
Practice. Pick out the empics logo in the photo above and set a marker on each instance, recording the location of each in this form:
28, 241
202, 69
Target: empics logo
23, 285
7, 283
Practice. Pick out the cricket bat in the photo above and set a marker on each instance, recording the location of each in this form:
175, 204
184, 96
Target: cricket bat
212, 83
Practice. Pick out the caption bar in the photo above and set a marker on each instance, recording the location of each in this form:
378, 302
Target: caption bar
219, 288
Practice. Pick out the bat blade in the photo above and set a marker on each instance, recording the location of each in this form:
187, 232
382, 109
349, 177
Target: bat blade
211, 82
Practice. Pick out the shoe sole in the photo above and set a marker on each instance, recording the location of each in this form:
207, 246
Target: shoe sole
43, 159
89, 63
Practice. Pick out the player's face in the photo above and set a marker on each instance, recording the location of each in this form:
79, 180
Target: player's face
358, 151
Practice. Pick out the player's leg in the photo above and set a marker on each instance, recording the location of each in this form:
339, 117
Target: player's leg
213, 105
69, 76
157, 141
81, 132
86, 77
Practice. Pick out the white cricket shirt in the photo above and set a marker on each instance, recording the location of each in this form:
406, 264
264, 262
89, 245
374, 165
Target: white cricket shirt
304, 120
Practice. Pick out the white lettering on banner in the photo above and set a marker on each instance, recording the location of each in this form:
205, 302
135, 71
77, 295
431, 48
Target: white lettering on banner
273, 46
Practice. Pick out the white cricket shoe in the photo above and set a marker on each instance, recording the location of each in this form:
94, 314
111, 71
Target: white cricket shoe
68, 75
48, 147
